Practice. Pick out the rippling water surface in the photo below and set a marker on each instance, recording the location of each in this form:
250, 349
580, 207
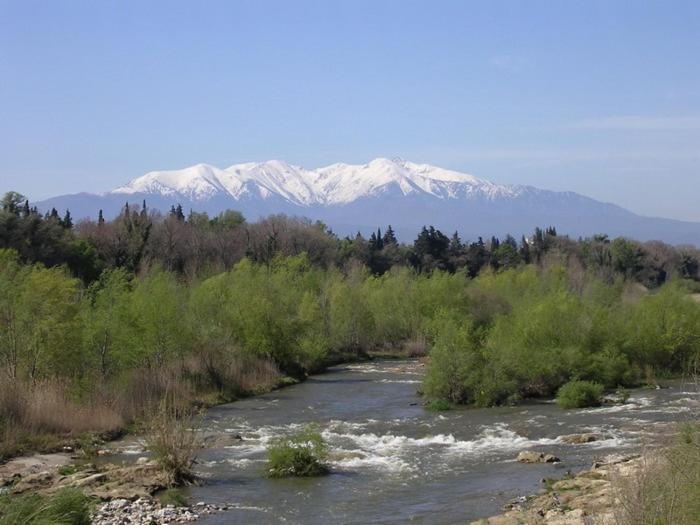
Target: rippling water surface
395, 462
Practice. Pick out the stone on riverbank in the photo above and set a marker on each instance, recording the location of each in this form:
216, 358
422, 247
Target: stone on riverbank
580, 439
530, 456
106, 482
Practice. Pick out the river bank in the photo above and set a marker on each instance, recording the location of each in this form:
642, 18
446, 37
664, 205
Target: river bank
582, 499
390, 457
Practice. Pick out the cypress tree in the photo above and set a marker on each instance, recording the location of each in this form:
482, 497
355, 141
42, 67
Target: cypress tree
67, 221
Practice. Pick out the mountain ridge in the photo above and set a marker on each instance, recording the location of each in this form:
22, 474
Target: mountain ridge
352, 197
334, 184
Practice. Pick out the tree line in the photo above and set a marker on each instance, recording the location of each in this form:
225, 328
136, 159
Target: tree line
196, 246
110, 316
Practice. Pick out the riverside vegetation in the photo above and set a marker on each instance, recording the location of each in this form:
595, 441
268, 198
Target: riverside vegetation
102, 321
303, 454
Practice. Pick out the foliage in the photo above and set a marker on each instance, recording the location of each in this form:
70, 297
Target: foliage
173, 496
579, 394
302, 454
100, 320
66, 507
438, 405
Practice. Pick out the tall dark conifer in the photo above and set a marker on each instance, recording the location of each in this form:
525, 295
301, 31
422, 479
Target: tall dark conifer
389, 236
67, 221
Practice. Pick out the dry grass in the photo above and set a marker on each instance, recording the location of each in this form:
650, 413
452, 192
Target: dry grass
51, 410
417, 347
174, 440
665, 489
230, 376
140, 394
42, 414
47, 407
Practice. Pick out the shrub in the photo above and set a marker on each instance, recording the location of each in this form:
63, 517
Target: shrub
66, 507
173, 440
580, 394
173, 496
438, 405
300, 455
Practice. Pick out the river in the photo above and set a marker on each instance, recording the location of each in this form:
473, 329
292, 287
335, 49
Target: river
395, 462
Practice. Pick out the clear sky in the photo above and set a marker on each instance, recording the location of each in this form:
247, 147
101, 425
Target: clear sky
602, 98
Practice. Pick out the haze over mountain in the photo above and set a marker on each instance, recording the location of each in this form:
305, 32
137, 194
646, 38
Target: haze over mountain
363, 197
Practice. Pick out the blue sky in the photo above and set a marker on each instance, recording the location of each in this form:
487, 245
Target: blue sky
602, 98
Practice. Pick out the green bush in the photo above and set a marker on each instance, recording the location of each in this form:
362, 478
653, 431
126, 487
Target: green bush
303, 454
66, 507
173, 496
438, 405
580, 394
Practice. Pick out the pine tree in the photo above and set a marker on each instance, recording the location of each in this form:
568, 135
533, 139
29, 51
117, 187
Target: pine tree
176, 211
100, 218
373, 242
389, 237
67, 221
25, 210
455, 244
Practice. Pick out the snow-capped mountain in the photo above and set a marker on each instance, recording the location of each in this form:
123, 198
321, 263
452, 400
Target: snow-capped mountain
335, 184
351, 197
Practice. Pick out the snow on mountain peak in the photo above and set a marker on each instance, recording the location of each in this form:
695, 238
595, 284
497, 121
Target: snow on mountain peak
335, 184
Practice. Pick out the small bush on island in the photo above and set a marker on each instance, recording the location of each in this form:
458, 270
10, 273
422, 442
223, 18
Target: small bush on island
303, 454
580, 394
66, 507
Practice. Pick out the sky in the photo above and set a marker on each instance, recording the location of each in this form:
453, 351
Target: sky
601, 98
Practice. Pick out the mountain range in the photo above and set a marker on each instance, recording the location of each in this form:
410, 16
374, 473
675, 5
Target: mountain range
351, 198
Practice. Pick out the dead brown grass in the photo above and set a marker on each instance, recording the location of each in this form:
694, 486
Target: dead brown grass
417, 347
174, 439
46, 406
47, 411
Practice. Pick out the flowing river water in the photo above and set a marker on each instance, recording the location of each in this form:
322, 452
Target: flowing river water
395, 462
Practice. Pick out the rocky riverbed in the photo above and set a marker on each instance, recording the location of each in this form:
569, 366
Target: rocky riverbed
583, 499
148, 511
126, 492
